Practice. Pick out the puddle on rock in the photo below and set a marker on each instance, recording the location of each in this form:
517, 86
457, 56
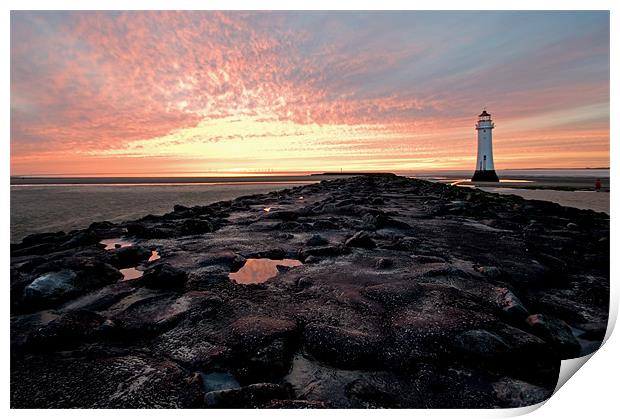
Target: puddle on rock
154, 256
256, 271
111, 244
131, 273
587, 346
128, 273
215, 381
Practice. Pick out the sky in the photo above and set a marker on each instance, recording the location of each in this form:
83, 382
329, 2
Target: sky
153, 93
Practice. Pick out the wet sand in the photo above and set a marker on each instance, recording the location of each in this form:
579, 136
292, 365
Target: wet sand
570, 191
596, 201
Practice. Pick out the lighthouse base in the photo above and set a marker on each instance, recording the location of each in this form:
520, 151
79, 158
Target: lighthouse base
485, 176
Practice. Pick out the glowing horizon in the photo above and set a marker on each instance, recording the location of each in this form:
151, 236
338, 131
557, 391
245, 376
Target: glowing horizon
260, 92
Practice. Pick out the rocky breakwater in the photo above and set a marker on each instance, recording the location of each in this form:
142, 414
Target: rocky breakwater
410, 294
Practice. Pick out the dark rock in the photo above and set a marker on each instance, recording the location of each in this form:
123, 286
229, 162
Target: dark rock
312, 259
146, 231
369, 392
428, 259
52, 286
255, 331
284, 236
304, 282
38, 249
557, 333
403, 244
115, 381
100, 299
207, 280
321, 251
510, 304
202, 355
481, 343
344, 202
283, 268
64, 278
361, 239
393, 294
125, 257
82, 238
341, 347
325, 225
282, 215
268, 361
106, 229
151, 315
317, 240
35, 239
431, 320
296, 404
180, 208
226, 258
492, 272
163, 276
384, 263
196, 226
107, 328
65, 331
554, 263
370, 222
517, 393
426, 329
275, 254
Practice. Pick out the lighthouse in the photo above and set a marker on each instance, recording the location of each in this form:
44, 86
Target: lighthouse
485, 170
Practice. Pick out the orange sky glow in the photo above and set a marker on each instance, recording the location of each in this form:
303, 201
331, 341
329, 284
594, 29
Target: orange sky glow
135, 93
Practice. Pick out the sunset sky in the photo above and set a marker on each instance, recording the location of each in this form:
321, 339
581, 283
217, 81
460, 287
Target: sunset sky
199, 92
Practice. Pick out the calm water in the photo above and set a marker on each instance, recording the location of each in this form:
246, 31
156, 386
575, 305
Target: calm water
255, 271
44, 208
516, 174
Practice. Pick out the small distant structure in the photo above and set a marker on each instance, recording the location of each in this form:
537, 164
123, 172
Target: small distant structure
485, 170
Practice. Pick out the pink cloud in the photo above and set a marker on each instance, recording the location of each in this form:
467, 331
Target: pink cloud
96, 81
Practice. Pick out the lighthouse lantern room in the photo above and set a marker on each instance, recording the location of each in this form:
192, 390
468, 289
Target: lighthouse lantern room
485, 170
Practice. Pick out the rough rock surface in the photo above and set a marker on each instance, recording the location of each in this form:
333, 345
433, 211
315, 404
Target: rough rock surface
412, 294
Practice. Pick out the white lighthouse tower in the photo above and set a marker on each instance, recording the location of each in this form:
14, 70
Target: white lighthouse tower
485, 170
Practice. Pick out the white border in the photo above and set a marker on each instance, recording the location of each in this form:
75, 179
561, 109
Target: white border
591, 394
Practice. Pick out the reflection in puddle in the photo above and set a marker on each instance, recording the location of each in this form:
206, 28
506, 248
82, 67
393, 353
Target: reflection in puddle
587, 346
468, 183
218, 381
131, 273
111, 244
154, 256
256, 271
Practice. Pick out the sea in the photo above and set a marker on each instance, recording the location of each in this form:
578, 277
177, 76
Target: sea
49, 204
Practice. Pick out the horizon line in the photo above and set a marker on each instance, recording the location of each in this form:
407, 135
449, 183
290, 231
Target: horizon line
267, 173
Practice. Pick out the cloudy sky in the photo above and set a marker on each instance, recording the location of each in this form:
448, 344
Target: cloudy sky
198, 92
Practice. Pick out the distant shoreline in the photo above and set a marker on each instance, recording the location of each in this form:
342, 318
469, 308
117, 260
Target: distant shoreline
253, 178
161, 180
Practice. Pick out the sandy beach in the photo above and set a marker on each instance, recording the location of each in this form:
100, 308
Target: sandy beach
571, 188
596, 201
